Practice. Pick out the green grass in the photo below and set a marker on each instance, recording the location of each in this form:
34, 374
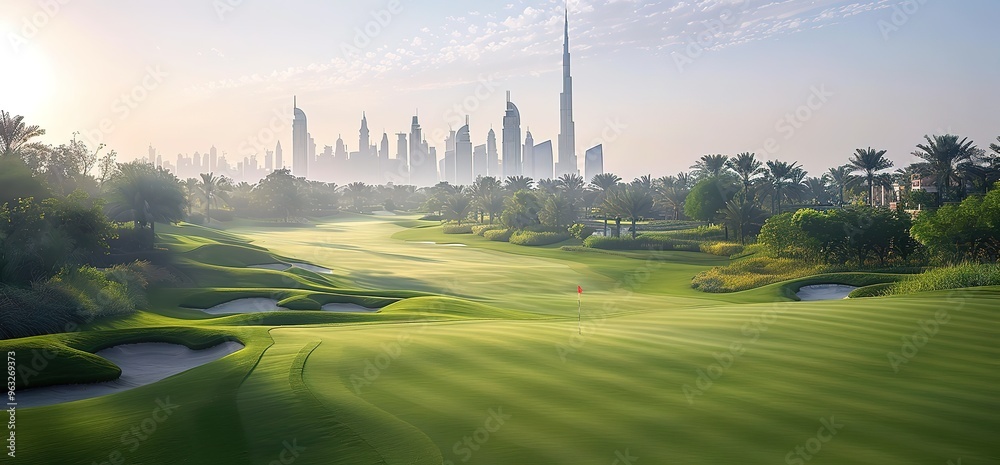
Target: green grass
945, 278
493, 325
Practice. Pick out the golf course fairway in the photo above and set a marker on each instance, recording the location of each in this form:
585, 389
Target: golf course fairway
477, 355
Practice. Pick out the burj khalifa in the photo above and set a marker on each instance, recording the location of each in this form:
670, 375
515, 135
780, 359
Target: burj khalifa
567, 163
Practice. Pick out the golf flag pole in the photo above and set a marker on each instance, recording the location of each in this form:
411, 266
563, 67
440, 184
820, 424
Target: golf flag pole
579, 310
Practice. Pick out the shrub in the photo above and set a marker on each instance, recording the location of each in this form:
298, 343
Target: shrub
432, 217
532, 238
950, 277
581, 231
481, 229
642, 242
722, 249
701, 233
751, 273
457, 229
499, 235
32, 311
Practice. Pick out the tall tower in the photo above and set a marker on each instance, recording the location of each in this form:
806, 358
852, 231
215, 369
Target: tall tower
463, 156
364, 141
567, 128
279, 162
423, 167
300, 142
492, 157
511, 140
528, 156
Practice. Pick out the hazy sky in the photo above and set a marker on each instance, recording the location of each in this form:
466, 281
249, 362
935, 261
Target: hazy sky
660, 83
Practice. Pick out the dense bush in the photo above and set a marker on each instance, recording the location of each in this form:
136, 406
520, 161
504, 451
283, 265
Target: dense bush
481, 229
949, 277
499, 235
753, 272
432, 217
701, 233
857, 234
722, 249
641, 242
196, 218
533, 238
969, 231
74, 296
581, 231
458, 229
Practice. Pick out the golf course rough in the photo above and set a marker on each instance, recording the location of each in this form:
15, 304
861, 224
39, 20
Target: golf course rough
477, 356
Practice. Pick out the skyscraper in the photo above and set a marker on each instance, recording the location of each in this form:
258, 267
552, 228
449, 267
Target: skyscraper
463, 156
528, 156
511, 140
567, 128
447, 165
593, 162
300, 142
423, 162
479, 163
543, 160
401, 146
279, 162
492, 157
340, 152
214, 159
364, 141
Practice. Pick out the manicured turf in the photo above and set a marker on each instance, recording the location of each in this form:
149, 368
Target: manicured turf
467, 335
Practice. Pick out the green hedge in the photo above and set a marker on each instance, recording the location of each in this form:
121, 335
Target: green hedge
532, 238
722, 249
458, 229
498, 235
642, 242
480, 230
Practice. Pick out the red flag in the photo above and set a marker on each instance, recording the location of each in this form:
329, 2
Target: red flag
579, 290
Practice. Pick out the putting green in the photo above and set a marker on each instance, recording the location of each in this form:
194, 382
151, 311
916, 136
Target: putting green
500, 372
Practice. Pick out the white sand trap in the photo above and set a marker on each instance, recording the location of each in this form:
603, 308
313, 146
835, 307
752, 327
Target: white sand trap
272, 266
313, 268
248, 305
141, 364
452, 245
435, 243
825, 292
348, 308
383, 213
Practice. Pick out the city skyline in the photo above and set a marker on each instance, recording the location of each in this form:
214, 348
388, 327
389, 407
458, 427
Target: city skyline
856, 72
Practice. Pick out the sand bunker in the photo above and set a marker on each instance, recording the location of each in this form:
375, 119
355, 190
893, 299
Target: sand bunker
825, 292
272, 266
248, 305
348, 308
141, 364
435, 243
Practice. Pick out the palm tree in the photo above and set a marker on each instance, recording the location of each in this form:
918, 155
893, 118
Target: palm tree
644, 182
15, 135
145, 194
840, 179
710, 166
518, 183
213, 188
816, 190
357, 192
942, 155
573, 186
457, 207
669, 193
685, 180
603, 184
870, 162
742, 214
747, 167
191, 193
630, 201
778, 175
549, 186
487, 195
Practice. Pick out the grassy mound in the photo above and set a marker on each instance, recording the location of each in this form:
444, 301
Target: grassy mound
945, 278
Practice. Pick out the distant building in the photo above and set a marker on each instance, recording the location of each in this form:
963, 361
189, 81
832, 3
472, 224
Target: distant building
279, 162
300, 142
463, 156
492, 157
528, 156
542, 154
567, 128
594, 162
480, 163
423, 160
511, 140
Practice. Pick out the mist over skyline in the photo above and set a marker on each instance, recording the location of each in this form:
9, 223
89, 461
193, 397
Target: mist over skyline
659, 84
